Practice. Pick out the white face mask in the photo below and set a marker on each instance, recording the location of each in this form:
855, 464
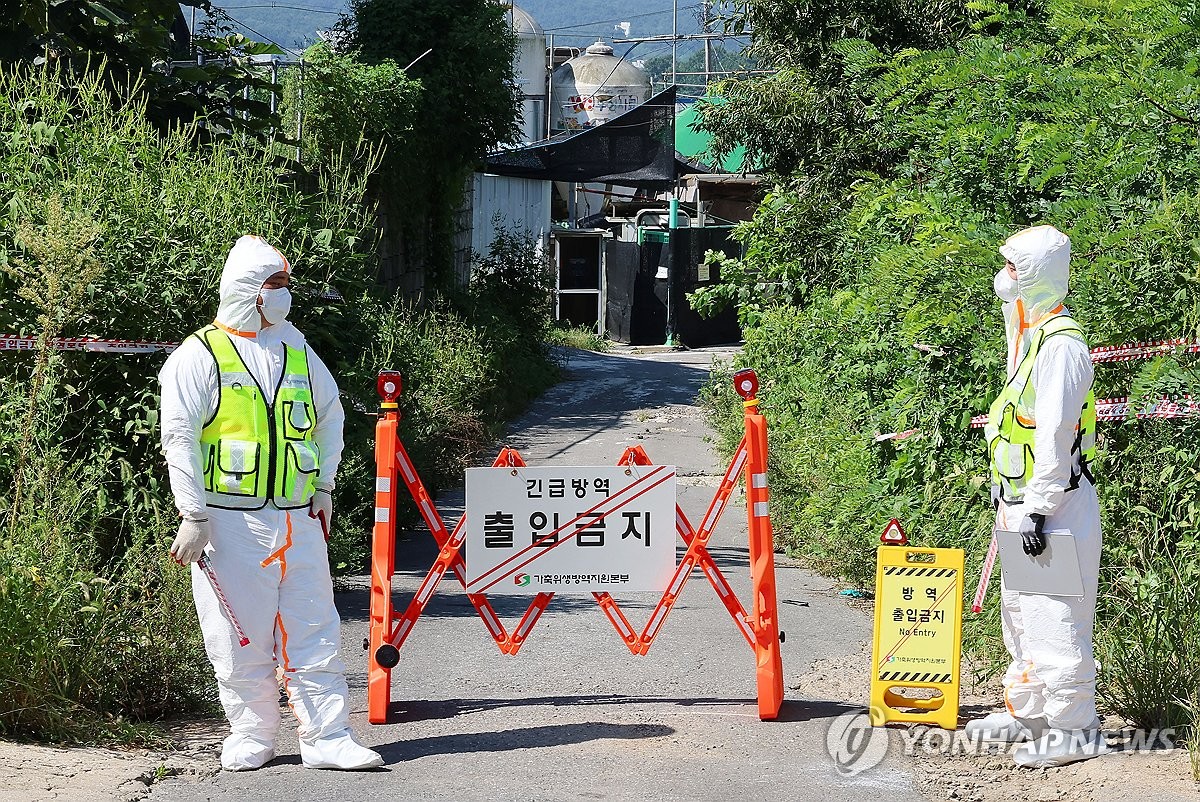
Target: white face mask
1005, 286
276, 303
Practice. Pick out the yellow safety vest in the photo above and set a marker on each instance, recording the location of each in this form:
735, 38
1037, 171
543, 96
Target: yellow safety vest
1011, 423
253, 453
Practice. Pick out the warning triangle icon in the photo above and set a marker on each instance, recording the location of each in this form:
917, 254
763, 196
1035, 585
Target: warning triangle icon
893, 534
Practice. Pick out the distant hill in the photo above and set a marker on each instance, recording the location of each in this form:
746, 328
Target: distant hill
577, 20
294, 23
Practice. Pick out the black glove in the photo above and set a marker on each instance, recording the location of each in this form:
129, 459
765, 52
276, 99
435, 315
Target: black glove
1033, 540
996, 497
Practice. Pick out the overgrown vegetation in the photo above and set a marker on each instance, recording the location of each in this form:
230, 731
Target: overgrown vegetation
583, 338
86, 631
97, 627
459, 51
906, 143
345, 103
135, 42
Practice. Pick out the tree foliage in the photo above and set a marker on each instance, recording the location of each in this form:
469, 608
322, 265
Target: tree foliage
866, 287
467, 106
801, 118
347, 104
136, 41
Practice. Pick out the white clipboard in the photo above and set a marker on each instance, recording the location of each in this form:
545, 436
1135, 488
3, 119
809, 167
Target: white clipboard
1054, 572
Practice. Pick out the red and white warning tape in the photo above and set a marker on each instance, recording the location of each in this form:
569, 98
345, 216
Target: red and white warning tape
1131, 351
15, 342
1115, 408
1111, 409
1106, 409
1119, 409
985, 576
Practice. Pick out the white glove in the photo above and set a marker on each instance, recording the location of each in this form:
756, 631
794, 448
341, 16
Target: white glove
190, 542
321, 508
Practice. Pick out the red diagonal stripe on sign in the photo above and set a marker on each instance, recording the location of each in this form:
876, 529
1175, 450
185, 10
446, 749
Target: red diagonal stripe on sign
904, 639
577, 518
541, 550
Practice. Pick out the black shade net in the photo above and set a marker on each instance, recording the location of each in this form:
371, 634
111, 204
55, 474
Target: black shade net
636, 149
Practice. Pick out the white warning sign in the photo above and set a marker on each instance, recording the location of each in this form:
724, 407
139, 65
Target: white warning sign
570, 529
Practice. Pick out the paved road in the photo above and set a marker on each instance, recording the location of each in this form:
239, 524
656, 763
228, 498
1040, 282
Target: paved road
574, 716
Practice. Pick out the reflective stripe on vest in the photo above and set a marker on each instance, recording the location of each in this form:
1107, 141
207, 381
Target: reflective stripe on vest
1011, 422
253, 453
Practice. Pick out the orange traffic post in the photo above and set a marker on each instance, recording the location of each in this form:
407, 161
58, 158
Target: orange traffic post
765, 613
383, 547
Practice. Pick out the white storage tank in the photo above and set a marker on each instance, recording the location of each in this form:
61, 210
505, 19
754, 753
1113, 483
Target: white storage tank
595, 87
529, 63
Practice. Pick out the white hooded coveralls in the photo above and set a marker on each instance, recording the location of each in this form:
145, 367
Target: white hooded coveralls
272, 564
1053, 673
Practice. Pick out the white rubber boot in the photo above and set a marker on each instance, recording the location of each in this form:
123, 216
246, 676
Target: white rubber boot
1060, 747
1005, 728
338, 751
245, 752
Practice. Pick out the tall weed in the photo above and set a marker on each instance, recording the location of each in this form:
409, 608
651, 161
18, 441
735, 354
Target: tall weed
880, 317
97, 627
88, 641
1149, 641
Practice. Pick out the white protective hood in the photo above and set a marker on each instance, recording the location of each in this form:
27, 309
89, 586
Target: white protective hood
1042, 256
250, 262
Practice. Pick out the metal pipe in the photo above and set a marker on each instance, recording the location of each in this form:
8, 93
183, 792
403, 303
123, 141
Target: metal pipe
550, 88
418, 58
707, 6
274, 83
299, 109
672, 267
674, 38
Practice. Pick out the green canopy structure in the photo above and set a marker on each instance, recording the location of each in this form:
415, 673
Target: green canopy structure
693, 143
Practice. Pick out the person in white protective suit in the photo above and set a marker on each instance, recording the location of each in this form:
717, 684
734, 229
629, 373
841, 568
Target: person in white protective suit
1041, 435
252, 434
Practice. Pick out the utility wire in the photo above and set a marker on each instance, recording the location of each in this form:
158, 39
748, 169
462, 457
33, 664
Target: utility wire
264, 38
289, 8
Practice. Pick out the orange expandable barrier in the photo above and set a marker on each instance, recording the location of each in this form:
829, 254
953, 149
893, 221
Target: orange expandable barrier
388, 633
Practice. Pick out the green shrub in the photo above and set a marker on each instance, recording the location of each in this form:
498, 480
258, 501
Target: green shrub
867, 299
1149, 642
86, 652
87, 638
113, 229
343, 101
583, 338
